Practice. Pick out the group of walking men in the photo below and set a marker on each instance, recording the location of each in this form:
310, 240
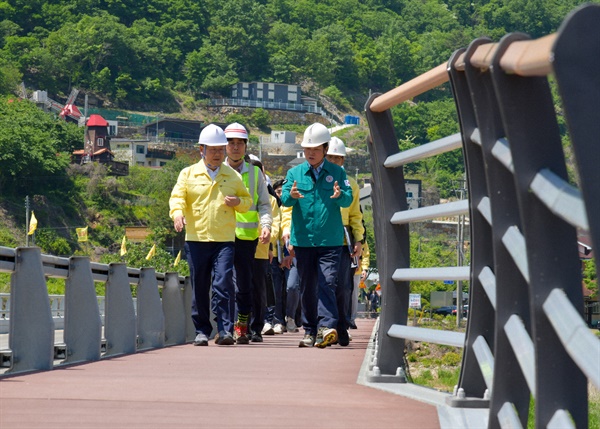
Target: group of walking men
234, 226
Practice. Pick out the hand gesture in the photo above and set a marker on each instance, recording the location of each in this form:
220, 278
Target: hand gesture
179, 223
357, 250
265, 236
232, 200
294, 193
336, 190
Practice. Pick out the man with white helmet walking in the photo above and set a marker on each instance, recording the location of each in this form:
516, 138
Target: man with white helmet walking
316, 190
204, 201
352, 218
251, 227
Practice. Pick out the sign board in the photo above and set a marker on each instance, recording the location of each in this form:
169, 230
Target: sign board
137, 233
448, 282
441, 298
414, 300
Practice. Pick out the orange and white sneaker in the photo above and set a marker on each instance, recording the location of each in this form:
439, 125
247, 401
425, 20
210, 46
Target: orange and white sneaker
240, 333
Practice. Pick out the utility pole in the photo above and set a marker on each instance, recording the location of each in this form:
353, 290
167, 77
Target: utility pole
27, 221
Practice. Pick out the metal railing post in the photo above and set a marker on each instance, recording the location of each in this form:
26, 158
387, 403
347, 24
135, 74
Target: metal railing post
83, 325
32, 328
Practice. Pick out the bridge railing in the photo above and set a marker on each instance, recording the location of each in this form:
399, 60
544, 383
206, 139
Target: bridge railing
525, 336
159, 316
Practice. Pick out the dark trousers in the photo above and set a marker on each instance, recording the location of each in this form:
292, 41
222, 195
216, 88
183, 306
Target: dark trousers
244, 263
318, 269
259, 295
205, 258
279, 292
343, 289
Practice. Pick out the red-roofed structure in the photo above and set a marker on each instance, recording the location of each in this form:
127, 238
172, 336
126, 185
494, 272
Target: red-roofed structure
97, 147
96, 121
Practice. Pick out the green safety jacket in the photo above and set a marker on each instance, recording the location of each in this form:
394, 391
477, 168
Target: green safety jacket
316, 219
247, 223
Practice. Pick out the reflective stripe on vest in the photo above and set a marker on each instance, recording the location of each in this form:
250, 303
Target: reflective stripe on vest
246, 227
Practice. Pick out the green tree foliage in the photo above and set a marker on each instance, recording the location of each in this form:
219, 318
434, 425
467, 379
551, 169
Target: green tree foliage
260, 118
34, 148
135, 52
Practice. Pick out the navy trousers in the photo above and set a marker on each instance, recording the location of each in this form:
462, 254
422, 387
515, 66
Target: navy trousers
214, 259
318, 269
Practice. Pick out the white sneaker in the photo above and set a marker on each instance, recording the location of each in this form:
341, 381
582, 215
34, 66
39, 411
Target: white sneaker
291, 325
267, 329
349, 336
278, 329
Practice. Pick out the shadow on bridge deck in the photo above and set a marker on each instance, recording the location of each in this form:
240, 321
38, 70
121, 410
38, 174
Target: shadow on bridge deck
270, 385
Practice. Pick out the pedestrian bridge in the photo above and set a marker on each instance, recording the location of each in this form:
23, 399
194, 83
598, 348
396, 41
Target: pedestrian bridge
526, 341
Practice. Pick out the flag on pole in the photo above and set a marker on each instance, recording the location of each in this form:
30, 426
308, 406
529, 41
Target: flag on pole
177, 259
32, 224
124, 246
82, 234
151, 253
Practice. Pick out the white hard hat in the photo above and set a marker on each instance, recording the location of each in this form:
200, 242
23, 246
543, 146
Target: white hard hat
212, 135
336, 147
315, 135
236, 131
253, 157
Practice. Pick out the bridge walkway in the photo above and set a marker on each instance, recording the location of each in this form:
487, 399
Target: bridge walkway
273, 384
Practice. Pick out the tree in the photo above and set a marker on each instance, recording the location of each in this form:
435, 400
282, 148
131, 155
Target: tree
34, 147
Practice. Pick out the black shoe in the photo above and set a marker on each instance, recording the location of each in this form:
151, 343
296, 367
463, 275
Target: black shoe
343, 338
201, 340
226, 340
353, 325
257, 338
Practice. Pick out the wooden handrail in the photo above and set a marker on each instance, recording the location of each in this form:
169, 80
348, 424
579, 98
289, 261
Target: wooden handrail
422, 83
529, 57
524, 58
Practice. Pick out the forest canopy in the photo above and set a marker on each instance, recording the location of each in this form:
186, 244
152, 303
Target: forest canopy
134, 53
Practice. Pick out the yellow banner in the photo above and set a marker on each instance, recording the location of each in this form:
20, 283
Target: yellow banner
124, 246
82, 234
151, 253
32, 224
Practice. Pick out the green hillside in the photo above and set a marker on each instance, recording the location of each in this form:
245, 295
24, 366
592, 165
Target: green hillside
170, 56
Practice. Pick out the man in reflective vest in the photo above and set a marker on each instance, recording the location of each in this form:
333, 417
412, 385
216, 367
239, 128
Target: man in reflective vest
251, 227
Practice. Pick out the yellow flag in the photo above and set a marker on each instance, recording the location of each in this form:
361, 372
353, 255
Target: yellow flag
177, 259
32, 224
124, 246
151, 253
82, 234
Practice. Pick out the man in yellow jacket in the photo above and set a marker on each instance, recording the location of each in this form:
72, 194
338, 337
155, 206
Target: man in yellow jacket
352, 219
205, 201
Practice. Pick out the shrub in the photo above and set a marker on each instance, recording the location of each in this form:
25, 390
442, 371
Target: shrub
260, 118
451, 359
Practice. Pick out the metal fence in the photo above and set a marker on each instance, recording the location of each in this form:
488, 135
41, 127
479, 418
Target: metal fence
525, 337
267, 105
159, 316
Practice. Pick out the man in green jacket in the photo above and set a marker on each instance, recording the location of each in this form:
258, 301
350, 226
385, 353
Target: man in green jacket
316, 190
